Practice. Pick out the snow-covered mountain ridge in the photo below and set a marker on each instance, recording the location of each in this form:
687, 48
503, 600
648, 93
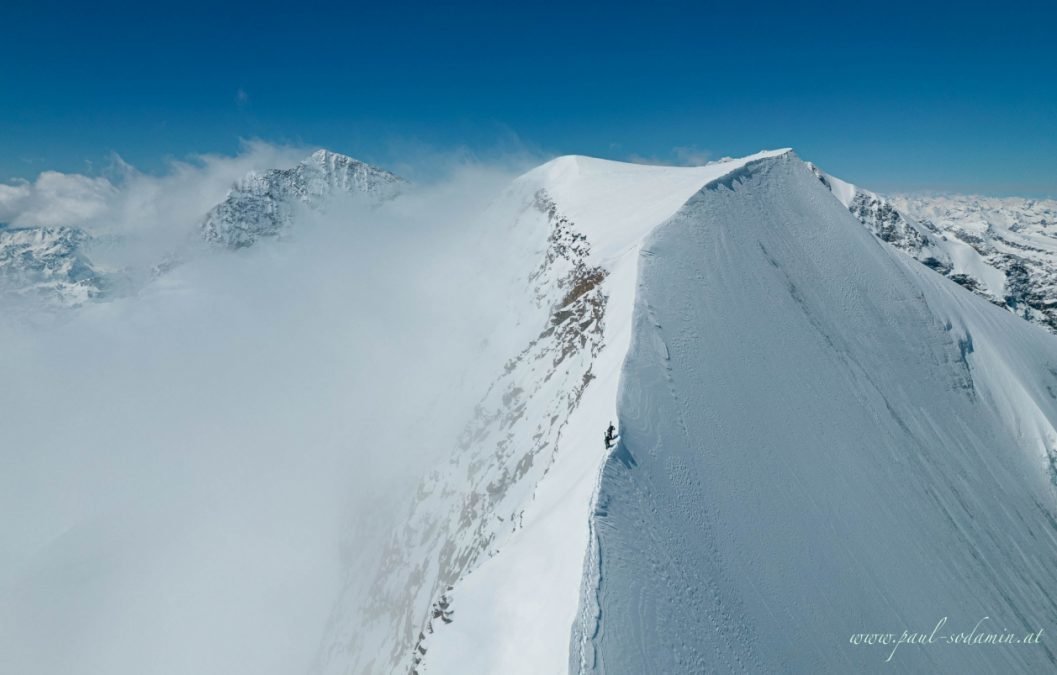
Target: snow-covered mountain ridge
771, 461
658, 293
706, 285
576, 222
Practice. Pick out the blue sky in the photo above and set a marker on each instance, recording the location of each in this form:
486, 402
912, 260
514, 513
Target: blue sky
894, 96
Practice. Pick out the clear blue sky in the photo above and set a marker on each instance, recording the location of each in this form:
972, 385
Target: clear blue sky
893, 95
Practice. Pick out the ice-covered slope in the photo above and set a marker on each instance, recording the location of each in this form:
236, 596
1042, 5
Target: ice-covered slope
264, 205
820, 437
1004, 250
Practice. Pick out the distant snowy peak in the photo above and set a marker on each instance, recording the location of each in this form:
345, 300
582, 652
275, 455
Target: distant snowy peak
1004, 250
48, 264
264, 204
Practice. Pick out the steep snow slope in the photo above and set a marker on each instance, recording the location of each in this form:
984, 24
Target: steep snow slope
819, 437
264, 205
494, 542
1004, 250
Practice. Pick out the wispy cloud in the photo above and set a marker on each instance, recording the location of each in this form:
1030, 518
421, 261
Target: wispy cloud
681, 155
691, 155
55, 198
124, 200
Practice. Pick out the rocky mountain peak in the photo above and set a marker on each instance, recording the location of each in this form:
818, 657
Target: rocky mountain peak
263, 205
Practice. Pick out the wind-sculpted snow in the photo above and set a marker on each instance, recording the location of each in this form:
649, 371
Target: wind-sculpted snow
264, 205
819, 438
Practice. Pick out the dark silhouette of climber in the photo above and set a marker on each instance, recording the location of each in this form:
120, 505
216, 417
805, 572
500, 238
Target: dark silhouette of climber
611, 434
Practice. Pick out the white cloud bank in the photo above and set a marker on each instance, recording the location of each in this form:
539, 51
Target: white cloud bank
127, 200
188, 474
55, 198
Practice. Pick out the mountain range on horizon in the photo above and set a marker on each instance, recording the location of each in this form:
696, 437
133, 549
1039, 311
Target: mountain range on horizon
1001, 248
